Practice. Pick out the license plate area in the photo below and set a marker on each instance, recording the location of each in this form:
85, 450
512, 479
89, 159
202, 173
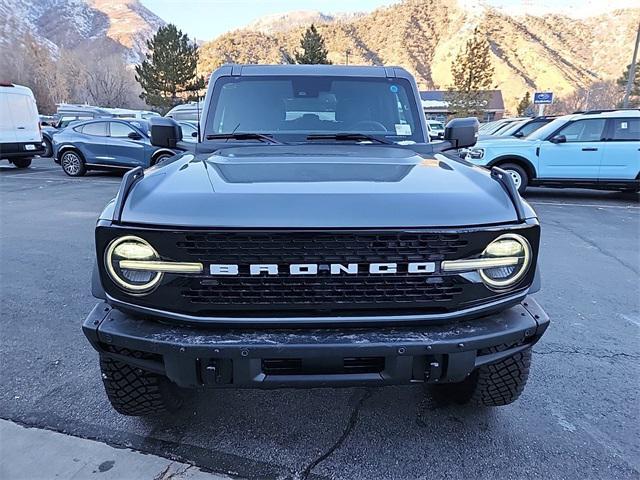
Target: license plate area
322, 365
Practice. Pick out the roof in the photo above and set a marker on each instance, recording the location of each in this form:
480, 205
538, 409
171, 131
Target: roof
12, 87
609, 113
322, 70
437, 99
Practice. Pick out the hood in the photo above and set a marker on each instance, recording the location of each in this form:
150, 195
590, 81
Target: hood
308, 186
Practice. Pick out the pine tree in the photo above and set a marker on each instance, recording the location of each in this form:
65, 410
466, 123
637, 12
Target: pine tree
312, 44
472, 73
168, 76
525, 104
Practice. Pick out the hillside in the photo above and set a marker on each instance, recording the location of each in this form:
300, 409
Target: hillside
103, 26
553, 52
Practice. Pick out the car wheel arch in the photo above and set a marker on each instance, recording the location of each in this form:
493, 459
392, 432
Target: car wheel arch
66, 148
518, 160
160, 152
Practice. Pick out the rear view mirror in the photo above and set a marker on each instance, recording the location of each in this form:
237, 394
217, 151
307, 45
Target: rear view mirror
558, 139
165, 132
462, 132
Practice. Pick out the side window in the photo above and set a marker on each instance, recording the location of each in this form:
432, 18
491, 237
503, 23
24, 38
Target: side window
120, 130
625, 129
98, 129
584, 130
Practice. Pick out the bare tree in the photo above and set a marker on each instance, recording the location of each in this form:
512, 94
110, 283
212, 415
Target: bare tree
109, 83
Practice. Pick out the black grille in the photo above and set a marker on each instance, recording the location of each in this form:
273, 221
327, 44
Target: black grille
313, 247
337, 290
311, 366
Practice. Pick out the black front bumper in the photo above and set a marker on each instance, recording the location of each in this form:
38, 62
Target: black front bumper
200, 357
12, 151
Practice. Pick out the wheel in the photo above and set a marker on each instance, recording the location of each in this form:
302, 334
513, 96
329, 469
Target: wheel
490, 385
48, 148
519, 175
159, 158
73, 164
135, 392
21, 162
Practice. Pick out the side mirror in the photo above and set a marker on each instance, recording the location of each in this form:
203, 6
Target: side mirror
134, 136
462, 132
194, 134
558, 139
518, 134
165, 132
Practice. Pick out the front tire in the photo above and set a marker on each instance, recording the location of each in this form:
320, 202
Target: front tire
492, 385
159, 158
73, 164
48, 148
22, 162
135, 392
518, 174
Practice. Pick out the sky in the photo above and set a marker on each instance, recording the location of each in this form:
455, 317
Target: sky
206, 19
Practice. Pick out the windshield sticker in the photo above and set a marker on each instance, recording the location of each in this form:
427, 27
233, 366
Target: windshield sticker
403, 129
393, 88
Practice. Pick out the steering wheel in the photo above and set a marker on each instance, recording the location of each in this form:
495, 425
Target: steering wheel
368, 125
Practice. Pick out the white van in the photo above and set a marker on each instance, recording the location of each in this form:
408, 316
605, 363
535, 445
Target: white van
20, 135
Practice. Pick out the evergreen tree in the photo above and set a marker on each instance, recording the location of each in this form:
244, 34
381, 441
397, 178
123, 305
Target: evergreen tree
525, 104
472, 73
168, 75
312, 44
634, 95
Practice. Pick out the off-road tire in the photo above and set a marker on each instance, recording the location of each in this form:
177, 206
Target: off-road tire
135, 392
22, 162
492, 385
521, 172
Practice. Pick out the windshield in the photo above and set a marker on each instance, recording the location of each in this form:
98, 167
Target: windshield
511, 128
549, 128
293, 107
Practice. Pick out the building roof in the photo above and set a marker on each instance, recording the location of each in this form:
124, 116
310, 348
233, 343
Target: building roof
436, 99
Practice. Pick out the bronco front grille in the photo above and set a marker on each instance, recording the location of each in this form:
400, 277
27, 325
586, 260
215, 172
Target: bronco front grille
321, 294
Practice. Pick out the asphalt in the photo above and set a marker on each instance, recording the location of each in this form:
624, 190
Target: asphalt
578, 417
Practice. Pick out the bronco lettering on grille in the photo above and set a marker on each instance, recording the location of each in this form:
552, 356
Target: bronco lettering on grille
315, 268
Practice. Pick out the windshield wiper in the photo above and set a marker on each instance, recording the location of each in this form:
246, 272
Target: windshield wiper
243, 136
348, 136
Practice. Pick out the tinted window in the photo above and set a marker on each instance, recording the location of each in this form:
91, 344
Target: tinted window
98, 129
299, 105
188, 115
120, 130
584, 130
626, 129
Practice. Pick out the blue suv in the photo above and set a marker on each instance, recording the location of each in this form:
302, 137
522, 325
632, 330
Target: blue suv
106, 143
588, 150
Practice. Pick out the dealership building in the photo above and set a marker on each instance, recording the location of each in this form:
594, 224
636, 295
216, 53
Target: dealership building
437, 108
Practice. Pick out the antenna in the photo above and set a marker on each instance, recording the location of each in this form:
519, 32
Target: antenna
197, 94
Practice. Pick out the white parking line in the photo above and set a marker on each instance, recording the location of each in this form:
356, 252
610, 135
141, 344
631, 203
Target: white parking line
588, 205
57, 179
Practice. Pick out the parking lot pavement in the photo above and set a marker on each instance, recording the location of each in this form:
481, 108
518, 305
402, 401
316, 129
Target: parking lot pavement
577, 418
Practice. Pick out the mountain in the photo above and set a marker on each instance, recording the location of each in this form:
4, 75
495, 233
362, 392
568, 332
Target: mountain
553, 52
281, 22
98, 26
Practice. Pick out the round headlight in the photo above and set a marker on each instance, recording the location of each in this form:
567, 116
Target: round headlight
516, 252
131, 248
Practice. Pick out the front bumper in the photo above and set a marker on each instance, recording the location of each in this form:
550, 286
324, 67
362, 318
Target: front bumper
199, 357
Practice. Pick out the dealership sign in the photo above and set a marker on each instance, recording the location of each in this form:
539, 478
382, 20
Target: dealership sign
542, 98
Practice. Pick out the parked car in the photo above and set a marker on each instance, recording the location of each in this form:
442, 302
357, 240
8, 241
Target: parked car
494, 127
67, 114
599, 149
436, 129
20, 134
519, 129
104, 144
128, 113
189, 131
334, 248
187, 112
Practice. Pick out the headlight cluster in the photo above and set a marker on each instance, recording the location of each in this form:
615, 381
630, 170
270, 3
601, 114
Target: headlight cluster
475, 153
135, 266
501, 265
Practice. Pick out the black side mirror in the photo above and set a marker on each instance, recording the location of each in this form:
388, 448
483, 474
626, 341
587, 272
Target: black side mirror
518, 134
134, 136
558, 139
194, 134
165, 132
462, 132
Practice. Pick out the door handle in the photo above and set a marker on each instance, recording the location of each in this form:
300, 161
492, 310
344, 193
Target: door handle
590, 149
21, 128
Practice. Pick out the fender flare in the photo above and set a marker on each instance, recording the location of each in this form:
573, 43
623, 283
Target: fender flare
518, 159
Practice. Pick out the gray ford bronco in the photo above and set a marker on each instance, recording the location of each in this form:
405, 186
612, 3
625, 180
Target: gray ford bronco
314, 237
